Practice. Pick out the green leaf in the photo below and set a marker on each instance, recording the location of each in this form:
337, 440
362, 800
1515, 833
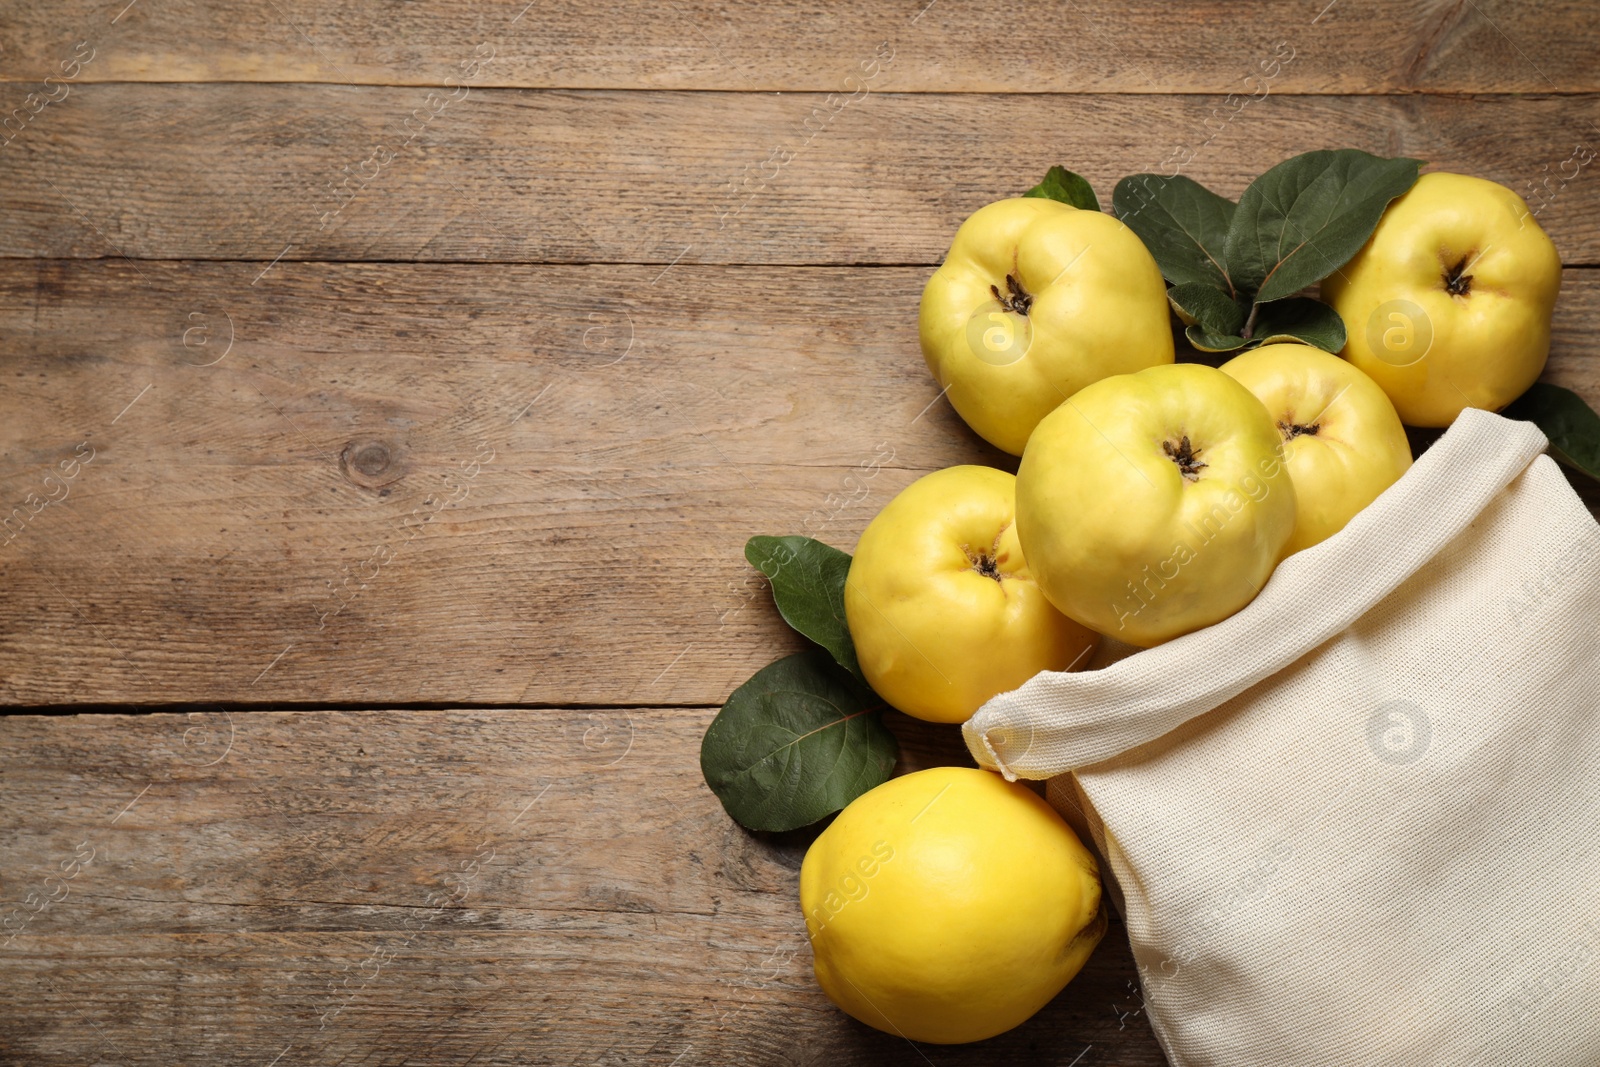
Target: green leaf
1298, 318
807, 579
1069, 188
1182, 223
798, 741
1206, 341
1572, 425
1303, 219
1205, 306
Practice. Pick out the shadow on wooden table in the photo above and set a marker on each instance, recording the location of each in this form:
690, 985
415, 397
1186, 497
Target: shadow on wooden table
1096, 1020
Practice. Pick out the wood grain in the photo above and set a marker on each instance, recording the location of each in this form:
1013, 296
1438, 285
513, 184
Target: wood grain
286, 421
484, 887
278, 526
259, 172
1004, 46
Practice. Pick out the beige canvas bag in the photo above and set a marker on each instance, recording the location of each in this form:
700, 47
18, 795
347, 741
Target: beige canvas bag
1359, 821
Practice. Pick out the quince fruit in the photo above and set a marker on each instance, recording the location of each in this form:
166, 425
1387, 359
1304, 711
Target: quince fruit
949, 905
1155, 503
941, 604
1342, 441
1035, 300
1448, 304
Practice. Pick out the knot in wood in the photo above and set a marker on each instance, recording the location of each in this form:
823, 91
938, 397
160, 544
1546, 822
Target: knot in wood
371, 463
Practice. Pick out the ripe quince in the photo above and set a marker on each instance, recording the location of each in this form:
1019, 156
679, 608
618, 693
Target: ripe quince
941, 604
1448, 304
1342, 441
1155, 503
949, 905
1035, 300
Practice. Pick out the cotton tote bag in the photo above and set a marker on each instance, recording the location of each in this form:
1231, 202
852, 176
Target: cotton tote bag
1359, 821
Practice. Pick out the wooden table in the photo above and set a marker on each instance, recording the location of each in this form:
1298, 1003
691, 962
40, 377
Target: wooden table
421, 370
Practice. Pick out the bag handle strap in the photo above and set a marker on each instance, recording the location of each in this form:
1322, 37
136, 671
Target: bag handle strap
1061, 721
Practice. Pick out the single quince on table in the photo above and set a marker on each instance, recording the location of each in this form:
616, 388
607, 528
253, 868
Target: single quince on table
1037, 299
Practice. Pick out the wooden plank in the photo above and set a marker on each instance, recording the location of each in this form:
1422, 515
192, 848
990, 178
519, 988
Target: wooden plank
232, 537
259, 172
279, 525
1143, 46
485, 887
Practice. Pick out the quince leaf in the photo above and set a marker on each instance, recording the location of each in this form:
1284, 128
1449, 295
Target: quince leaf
1210, 342
1182, 223
1208, 307
1571, 425
1303, 219
1069, 188
798, 741
807, 579
1298, 319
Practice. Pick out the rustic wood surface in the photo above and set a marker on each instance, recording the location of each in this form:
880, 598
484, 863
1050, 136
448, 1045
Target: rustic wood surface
448, 887
417, 416
1341, 46
319, 172
668, 422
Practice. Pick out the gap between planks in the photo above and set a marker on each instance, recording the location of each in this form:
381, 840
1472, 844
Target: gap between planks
312, 706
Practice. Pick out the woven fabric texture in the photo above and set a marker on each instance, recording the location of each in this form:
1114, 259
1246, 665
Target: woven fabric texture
1359, 821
